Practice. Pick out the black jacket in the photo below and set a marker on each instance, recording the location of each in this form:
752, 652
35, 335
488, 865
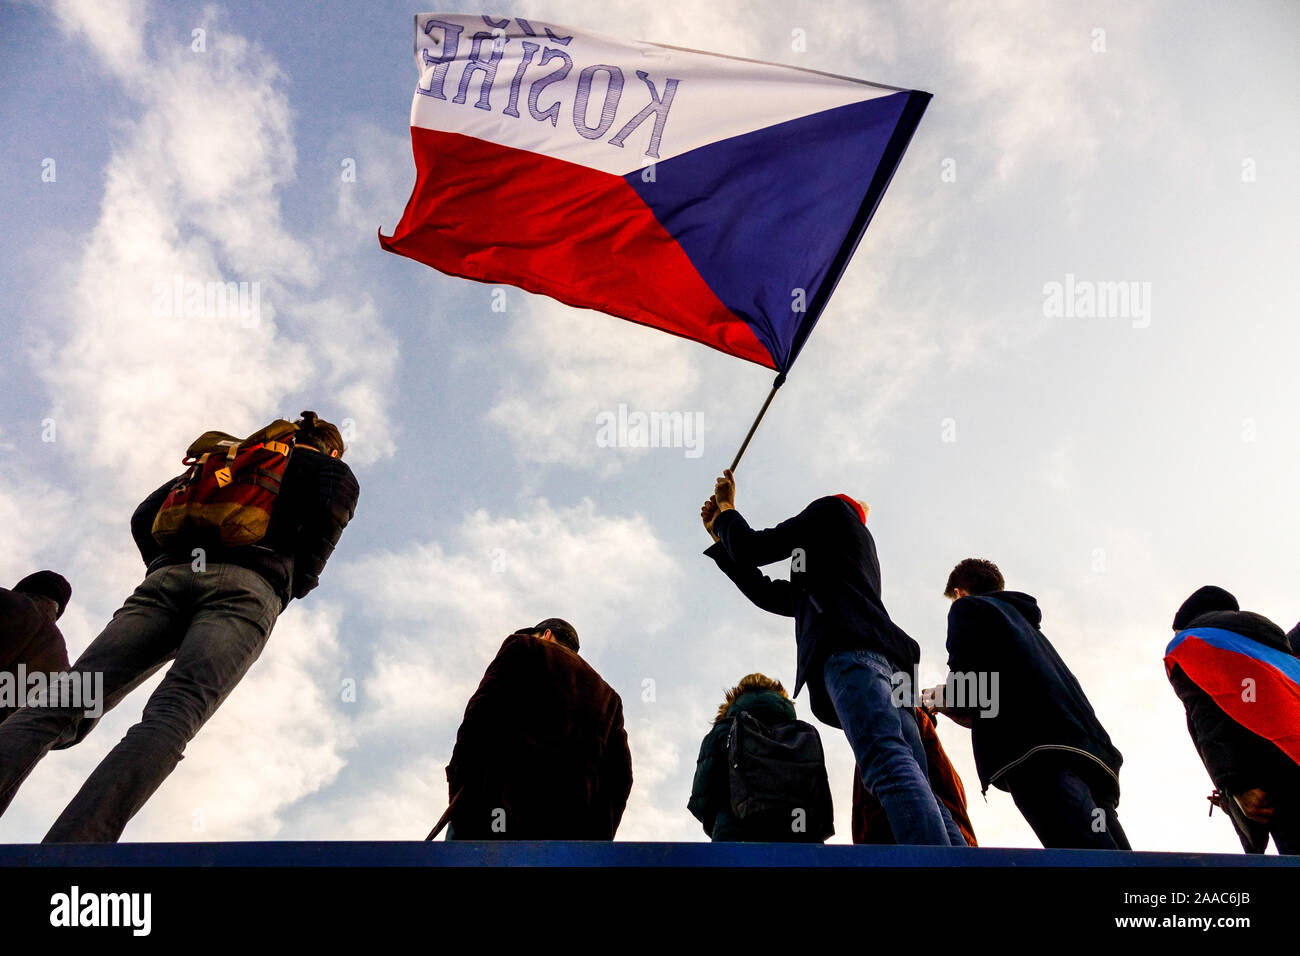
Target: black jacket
29, 638
1039, 703
1237, 759
541, 753
833, 592
316, 501
710, 801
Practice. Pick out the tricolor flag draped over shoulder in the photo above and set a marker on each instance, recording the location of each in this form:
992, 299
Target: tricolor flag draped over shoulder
1222, 663
715, 198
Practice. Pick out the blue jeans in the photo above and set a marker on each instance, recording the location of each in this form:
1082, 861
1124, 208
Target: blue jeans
213, 624
888, 747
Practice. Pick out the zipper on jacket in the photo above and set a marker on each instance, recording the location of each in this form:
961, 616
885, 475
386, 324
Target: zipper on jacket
1033, 750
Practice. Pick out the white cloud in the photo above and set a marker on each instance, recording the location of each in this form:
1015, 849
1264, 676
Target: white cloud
505, 572
1027, 84
192, 200
579, 365
441, 612
192, 194
281, 735
113, 29
1044, 133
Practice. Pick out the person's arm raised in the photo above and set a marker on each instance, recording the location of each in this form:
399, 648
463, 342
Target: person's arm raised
774, 595
756, 548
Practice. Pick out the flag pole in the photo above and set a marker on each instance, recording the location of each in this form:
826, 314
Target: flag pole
780, 380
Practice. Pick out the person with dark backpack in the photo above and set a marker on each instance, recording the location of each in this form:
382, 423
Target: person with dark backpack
227, 545
761, 773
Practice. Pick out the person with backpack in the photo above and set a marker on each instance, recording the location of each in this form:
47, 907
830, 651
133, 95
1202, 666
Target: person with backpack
29, 636
541, 753
1239, 681
761, 773
1033, 731
227, 545
852, 657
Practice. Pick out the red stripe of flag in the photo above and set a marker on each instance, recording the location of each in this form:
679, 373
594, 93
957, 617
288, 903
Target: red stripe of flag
497, 214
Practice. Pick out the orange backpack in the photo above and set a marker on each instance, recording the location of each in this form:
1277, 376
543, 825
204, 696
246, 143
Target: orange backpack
230, 488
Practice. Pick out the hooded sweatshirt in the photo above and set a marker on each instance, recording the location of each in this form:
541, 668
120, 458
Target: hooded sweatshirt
1235, 758
1038, 705
711, 798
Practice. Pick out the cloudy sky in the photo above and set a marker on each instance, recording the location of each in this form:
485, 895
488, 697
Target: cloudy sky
1110, 464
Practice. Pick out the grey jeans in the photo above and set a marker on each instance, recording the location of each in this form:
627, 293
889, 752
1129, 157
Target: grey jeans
213, 624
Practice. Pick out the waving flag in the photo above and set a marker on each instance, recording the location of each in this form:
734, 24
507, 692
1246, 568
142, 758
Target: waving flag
715, 198
1218, 661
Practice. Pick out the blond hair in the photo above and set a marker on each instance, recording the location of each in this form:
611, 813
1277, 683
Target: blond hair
748, 684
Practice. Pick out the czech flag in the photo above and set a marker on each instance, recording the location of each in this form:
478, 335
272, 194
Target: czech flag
716, 198
1255, 685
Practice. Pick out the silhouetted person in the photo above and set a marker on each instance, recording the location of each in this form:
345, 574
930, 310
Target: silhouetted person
869, 822
761, 773
1239, 682
1033, 730
849, 651
205, 607
541, 753
29, 635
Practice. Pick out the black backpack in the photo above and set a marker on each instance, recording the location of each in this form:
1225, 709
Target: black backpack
776, 770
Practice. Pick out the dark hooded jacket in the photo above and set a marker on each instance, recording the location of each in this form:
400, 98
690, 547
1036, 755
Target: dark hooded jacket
1237, 759
316, 501
541, 753
711, 801
833, 593
29, 638
1039, 703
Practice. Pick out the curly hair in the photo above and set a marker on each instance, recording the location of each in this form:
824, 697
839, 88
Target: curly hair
974, 576
748, 684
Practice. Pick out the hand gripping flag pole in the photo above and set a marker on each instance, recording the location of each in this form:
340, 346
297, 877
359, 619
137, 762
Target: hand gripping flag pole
780, 380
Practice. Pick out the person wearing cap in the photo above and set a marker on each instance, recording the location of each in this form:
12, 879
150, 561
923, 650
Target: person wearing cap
850, 655
1239, 682
541, 753
205, 612
29, 635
